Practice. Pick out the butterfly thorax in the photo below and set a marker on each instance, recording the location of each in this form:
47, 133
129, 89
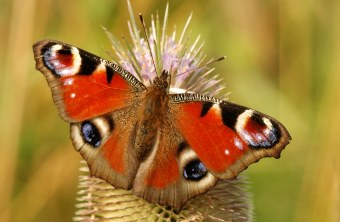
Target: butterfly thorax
151, 116
161, 82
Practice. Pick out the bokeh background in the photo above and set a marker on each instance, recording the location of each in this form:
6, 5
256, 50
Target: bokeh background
283, 58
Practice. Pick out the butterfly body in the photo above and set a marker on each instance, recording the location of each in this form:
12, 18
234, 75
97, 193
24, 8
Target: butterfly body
167, 147
151, 116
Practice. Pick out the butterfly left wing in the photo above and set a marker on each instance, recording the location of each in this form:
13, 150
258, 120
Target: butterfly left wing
99, 99
106, 143
84, 85
202, 140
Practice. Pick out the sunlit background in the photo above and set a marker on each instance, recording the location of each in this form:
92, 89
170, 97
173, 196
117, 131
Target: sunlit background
283, 58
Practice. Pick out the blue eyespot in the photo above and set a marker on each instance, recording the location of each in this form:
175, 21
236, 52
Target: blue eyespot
90, 134
194, 170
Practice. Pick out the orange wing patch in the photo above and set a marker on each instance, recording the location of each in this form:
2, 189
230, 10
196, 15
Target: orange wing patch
217, 146
164, 170
114, 151
83, 85
86, 96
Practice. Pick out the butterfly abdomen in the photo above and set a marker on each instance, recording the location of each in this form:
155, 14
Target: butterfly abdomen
150, 116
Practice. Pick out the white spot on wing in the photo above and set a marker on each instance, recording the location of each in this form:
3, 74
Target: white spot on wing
73, 95
55, 48
242, 119
238, 143
68, 82
101, 67
241, 122
216, 109
76, 59
268, 123
226, 152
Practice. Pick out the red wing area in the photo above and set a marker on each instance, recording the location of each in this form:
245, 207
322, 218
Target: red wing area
115, 150
82, 97
84, 85
118, 152
217, 145
163, 170
160, 178
227, 137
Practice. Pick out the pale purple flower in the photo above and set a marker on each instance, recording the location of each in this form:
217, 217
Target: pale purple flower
170, 52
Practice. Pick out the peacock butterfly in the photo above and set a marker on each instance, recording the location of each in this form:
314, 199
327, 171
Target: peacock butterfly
167, 147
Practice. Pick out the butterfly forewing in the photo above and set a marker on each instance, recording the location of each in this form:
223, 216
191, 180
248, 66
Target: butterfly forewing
84, 85
227, 137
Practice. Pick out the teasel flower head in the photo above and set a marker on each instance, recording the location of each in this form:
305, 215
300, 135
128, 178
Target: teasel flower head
98, 200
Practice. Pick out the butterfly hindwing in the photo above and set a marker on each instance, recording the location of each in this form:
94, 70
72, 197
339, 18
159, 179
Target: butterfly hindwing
83, 85
105, 143
165, 177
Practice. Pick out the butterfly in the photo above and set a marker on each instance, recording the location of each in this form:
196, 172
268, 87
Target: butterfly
165, 147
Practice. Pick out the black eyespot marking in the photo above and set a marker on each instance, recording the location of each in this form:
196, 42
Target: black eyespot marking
181, 147
90, 134
89, 63
109, 74
65, 51
258, 119
205, 108
111, 123
230, 113
194, 170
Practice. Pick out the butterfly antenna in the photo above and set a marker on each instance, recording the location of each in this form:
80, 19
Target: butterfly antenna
147, 39
202, 66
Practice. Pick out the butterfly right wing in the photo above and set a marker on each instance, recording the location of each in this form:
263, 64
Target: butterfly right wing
202, 140
160, 177
227, 137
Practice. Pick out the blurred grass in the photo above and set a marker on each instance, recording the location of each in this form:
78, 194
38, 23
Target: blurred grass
282, 58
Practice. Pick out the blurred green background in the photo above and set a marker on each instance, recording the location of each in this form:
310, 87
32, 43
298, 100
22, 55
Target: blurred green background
283, 58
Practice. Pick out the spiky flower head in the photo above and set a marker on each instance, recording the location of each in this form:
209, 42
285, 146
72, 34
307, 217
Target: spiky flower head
168, 52
98, 200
